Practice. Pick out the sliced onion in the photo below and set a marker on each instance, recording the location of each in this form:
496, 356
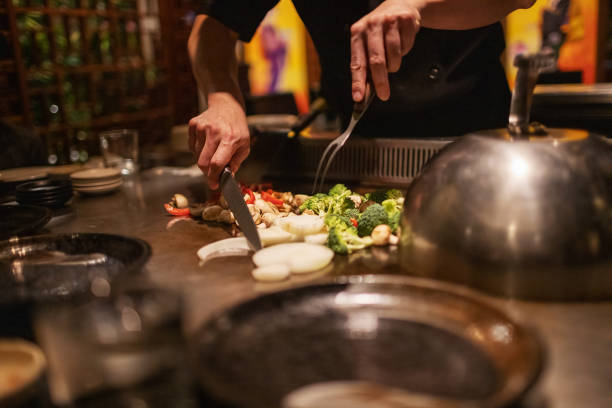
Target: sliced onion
226, 247
317, 239
275, 235
271, 273
301, 257
302, 225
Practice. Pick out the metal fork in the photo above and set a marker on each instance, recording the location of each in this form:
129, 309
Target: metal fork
335, 145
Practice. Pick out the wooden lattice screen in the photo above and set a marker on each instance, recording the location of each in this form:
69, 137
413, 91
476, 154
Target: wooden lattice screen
71, 68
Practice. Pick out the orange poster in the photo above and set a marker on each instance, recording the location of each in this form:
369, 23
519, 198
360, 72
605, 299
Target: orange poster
568, 27
277, 55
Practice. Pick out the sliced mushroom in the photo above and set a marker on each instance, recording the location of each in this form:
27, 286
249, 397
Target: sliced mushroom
226, 216
257, 217
211, 213
287, 197
356, 199
299, 199
365, 205
179, 201
269, 218
265, 207
381, 234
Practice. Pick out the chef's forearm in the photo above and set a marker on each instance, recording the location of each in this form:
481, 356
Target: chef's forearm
211, 47
466, 14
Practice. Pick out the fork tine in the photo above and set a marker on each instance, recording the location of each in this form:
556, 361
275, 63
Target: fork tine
322, 162
337, 143
332, 155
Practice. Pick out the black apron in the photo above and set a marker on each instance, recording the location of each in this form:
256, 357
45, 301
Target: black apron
450, 83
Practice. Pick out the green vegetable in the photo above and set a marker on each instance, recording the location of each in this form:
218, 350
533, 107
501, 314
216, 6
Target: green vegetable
345, 241
381, 195
373, 215
394, 221
318, 203
340, 221
352, 213
394, 211
337, 202
339, 189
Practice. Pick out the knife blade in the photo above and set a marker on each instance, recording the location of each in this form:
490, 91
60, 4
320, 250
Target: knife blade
235, 200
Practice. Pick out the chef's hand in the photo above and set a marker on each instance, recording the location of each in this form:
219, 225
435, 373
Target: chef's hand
379, 40
219, 136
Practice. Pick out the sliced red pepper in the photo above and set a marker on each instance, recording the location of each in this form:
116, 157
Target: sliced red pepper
251, 199
176, 211
268, 197
354, 222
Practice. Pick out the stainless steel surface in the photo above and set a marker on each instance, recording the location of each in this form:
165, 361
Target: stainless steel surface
334, 147
529, 67
527, 218
577, 335
600, 93
375, 162
236, 203
441, 348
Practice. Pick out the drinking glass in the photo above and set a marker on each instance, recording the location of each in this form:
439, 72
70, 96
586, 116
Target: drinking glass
120, 149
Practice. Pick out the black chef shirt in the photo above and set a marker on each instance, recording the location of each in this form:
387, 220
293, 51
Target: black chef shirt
450, 83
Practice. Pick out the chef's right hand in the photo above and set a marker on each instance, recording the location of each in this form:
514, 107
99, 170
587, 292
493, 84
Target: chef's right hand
219, 136
379, 40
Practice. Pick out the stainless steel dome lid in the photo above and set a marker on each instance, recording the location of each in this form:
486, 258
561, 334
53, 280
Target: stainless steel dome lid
523, 212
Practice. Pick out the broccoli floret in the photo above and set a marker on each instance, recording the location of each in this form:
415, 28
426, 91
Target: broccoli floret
377, 196
394, 211
318, 203
381, 195
339, 204
394, 221
345, 241
352, 213
390, 206
373, 215
394, 194
339, 189
337, 221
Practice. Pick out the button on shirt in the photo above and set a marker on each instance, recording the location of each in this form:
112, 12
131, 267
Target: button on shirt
450, 83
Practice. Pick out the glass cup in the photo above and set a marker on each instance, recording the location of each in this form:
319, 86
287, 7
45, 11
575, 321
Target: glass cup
120, 149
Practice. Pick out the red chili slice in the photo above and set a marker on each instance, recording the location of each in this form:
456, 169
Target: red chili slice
176, 211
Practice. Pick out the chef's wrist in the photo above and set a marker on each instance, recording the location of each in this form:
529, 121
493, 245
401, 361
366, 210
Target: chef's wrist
225, 98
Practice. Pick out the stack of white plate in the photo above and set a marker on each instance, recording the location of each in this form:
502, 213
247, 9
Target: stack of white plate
96, 181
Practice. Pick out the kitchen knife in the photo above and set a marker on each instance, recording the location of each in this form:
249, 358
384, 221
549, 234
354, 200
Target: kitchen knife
235, 200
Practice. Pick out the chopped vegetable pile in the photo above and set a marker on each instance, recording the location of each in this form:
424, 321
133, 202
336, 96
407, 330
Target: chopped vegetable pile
343, 220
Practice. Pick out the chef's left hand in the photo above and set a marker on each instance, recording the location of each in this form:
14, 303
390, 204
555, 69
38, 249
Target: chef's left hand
379, 40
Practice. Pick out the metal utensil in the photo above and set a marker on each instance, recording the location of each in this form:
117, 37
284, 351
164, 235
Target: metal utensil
234, 199
334, 147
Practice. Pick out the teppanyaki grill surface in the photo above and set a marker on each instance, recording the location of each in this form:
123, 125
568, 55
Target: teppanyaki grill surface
404, 336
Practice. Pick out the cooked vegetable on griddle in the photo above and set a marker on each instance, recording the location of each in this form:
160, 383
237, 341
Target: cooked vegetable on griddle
342, 220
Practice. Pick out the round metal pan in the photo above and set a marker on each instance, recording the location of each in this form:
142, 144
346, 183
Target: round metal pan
374, 340
57, 266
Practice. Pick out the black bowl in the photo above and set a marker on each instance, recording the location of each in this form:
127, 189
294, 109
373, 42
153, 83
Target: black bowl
44, 194
22, 219
53, 202
47, 193
44, 186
